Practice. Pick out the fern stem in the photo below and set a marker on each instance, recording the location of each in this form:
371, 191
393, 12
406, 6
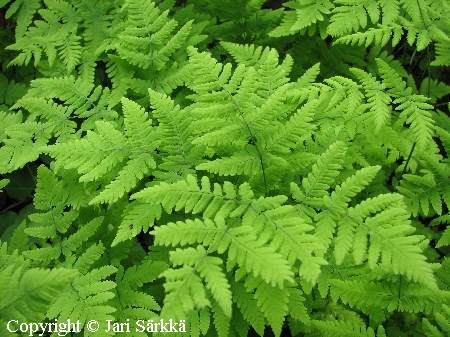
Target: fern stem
409, 158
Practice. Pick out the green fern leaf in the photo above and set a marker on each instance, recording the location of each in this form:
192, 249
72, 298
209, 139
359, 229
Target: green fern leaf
347, 19
445, 237
415, 110
75, 241
138, 128
382, 295
442, 319
425, 190
338, 202
187, 194
137, 217
87, 296
306, 13
297, 307
378, 100
185, 291
57, 117
322, 176
221, 321
273, 302
389, 233
96, 154
133, 303
147, 27
379, 36
442, 54
23, 145
70, 52
176, 131
25, 11
248, 307
343, 329
27, 294
208, 268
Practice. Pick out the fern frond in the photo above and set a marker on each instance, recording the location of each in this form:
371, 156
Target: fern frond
58, 220
248, 55
209, 76
76, 95
70, 52
283, 138
338, 202
97, 16
380, 36
246, 250
49, 36
87, 295
389, 11
93, 155
384, 295
415, 110
273, 303
140, 217
221, 321
422, 23
185, 291
147, 41
433, 89
27, 294
244, 162
442, 54
25, 10
120, 73
426, 189
445, 237
177, 132
378, 100
344, 329
130, 301
248, 307
96, 154
189, 232
23, 145
141, 142
390, 237
75, 240
316, 184
297, 306
187, 194
265, 62
8, 119
442, 318
350, 18
208, 267
306, 14
55, 117
275, 220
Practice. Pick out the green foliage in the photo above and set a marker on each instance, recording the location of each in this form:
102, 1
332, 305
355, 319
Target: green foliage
28, 292
226, 166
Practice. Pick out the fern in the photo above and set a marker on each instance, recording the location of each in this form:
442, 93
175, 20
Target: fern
30, 286
337, 328
367, 23
148, 41
96, 149
193, 161
414, 107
